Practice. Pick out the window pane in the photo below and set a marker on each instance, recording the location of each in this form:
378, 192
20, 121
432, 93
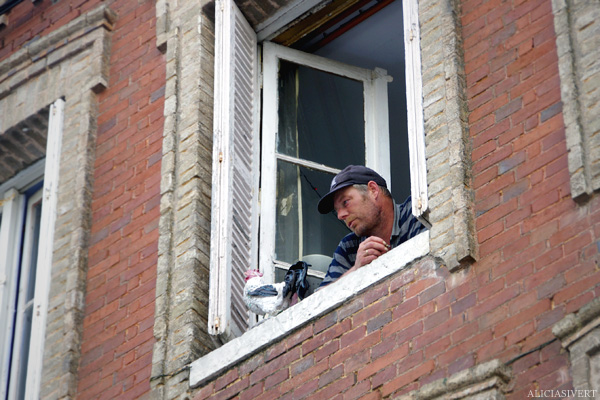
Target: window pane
301, 230
24, 351
379, 42
321, 116
30, 288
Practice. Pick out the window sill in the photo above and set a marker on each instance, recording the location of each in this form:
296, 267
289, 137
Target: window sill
256, 339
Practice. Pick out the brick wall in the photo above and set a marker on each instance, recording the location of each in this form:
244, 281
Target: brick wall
537, 247
28, 21
109, 180
119, 315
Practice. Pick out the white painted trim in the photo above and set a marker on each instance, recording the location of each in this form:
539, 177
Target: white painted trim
24, 178
219, 309
414, 97
377, 125
21, 304
46, 246
13, 209
218, 361
220, 272
268, 171
317, 62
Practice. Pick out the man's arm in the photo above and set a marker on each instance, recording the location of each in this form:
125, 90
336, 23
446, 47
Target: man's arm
343, 259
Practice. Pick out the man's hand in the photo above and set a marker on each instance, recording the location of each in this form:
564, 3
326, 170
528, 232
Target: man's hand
371, 249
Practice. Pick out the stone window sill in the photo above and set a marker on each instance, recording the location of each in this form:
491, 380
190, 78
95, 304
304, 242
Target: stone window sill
256, 339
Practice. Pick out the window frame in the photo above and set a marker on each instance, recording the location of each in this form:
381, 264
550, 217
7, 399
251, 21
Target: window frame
14, 211
24, 270
219, 321
377, 150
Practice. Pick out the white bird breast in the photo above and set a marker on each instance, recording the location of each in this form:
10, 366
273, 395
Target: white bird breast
264, 305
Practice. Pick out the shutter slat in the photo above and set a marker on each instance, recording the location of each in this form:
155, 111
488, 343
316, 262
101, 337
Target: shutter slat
235, 170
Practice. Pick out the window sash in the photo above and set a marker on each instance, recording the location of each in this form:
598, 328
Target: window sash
377, 155
22, 333
13, 211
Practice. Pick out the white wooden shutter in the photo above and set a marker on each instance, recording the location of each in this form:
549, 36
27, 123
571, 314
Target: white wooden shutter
45, 250
414, 97
235, 165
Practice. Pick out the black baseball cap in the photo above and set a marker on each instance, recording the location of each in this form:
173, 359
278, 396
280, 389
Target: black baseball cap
351, 175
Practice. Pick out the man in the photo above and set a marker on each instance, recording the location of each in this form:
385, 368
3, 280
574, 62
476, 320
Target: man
362, 201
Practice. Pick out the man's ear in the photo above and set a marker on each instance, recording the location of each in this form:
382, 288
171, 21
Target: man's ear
374, 189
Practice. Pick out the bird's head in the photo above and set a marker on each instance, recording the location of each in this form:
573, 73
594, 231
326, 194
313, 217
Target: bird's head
252, 273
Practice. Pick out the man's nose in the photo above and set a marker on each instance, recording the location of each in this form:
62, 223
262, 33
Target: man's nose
342, 214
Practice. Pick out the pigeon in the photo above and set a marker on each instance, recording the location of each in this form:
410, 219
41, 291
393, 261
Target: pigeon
270, 299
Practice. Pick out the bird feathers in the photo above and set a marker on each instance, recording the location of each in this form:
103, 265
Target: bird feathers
267, 299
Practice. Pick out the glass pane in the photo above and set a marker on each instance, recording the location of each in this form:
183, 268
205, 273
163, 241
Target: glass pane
321, 116
35, 240
301, 230
24, 352
379, 42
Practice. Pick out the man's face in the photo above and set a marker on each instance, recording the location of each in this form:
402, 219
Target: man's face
357, 209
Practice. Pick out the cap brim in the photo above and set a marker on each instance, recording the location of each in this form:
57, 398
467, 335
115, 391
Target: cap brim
325, 205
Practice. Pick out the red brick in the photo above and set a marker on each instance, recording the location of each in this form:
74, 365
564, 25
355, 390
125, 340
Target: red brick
306, 389
357, 391
438, 332
353, 336
344, 354
276, 378
408, 377
252, 392
334, 388
274, 365
490, 350
226, 379
383, 362
492, 159
576, 289
357, 361
496, 185
326, 350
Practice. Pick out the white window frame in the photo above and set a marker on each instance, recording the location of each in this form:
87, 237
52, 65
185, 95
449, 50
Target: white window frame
10, 234
228, 18
13, 212
414, 104
21, 305
377, 150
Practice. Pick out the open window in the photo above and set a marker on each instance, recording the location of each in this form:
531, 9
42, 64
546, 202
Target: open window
28, 213
328, 115
322, 109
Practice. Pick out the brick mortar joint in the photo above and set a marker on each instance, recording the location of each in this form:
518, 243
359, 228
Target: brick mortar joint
164, 370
